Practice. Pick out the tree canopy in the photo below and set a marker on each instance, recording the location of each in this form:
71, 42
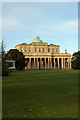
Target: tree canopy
14, 54
76, 60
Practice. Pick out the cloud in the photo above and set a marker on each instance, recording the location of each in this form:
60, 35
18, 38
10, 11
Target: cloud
0, 24
0, 16
68, 27
25, 12
71, 26
30, 17
10, 24
62, 27
21, 11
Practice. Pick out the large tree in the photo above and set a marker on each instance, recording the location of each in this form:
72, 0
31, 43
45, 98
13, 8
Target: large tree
76, 60
5, 71
14, 54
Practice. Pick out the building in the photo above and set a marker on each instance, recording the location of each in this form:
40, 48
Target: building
40, 55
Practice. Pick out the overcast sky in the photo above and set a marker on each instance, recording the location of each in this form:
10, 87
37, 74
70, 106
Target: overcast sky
55, 23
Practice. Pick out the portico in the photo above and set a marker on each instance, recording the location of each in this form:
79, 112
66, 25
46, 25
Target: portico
48, 63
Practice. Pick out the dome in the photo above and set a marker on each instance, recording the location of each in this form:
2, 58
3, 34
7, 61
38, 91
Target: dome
37, 39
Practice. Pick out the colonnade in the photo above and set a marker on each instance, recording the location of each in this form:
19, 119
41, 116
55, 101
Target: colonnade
48, 63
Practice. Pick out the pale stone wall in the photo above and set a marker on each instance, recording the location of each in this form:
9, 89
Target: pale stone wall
44, 56
38, 47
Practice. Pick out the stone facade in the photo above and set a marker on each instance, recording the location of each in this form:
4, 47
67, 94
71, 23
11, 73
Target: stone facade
40, 55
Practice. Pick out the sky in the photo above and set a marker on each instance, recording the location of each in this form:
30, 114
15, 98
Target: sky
54, 22
40, 0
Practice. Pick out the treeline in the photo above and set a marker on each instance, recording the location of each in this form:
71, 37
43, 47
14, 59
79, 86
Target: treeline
76, 60
19, 58
12, 54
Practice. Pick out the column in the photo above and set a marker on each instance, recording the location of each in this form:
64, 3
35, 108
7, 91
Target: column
45, 62
40, 63
25, 64
30, 63
58, 62
62, 63
54, 63
70, 63
51, 63
48, 63
37, 63
34, 64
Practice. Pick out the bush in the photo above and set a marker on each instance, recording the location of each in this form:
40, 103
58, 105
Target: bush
5, 71
18, 57
76, 60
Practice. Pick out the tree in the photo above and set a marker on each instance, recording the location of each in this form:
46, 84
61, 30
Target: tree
14, 54
76, 60
5, 71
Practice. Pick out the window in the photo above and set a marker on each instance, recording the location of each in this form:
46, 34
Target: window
26, 50
42, 49
48, 49
39, 50
52, 49
29, 49
57, 50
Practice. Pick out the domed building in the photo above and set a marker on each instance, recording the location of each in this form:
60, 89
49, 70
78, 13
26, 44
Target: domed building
37, 39
40, 55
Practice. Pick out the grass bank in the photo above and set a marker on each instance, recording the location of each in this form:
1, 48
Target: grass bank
40, 94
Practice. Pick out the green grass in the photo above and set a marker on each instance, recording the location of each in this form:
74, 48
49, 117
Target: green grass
41, 94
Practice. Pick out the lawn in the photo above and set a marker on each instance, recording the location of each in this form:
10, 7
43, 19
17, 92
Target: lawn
40, 94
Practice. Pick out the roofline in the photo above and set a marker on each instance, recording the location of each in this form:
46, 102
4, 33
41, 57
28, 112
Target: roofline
37, 42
